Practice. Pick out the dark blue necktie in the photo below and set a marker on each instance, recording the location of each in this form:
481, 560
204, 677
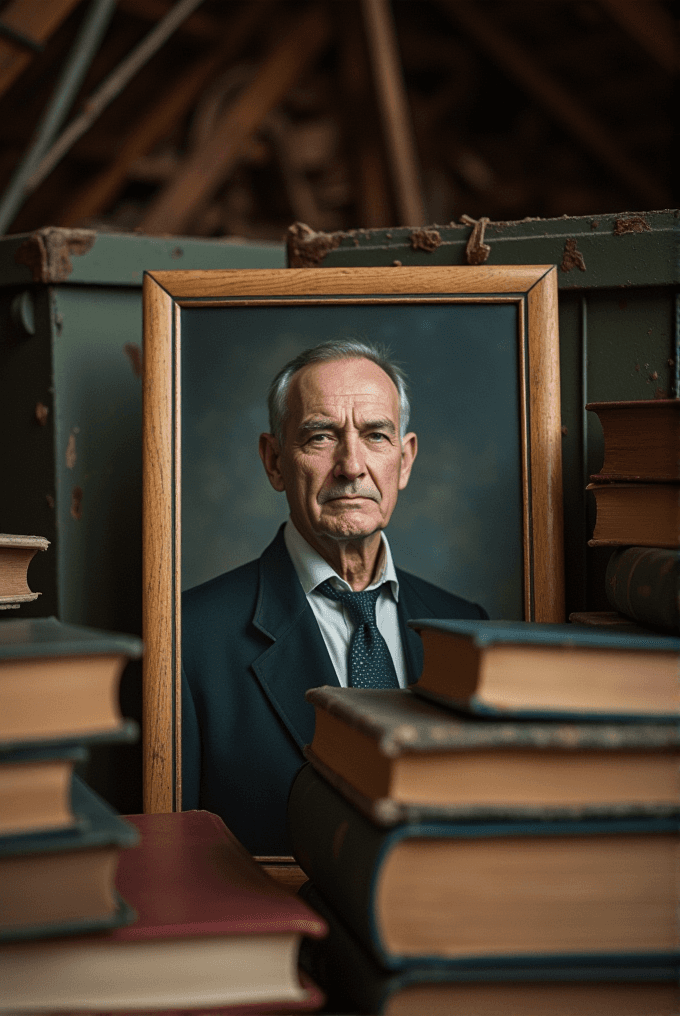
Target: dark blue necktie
370, 661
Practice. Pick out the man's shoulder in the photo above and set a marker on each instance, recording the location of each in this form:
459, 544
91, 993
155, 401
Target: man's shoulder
433, 601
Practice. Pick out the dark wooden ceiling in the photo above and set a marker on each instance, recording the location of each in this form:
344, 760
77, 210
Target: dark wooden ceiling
254, 114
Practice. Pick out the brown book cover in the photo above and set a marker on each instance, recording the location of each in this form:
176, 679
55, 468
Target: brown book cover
641, 440
16, 553
398, 758
640, 514
212, 931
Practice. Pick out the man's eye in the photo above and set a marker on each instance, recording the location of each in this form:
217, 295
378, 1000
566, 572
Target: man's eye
377, 436
320, 438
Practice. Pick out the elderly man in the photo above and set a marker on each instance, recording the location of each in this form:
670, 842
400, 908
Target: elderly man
324, 604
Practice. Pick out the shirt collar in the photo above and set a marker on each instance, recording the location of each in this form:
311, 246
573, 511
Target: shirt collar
312, 569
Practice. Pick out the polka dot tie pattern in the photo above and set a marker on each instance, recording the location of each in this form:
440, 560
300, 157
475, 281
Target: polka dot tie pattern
370, 661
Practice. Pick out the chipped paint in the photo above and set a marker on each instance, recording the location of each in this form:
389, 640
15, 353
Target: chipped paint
572, 257
425, 239
47, 252
632, 224
134, 354
307, 248
71, 454
41, 413
77, 503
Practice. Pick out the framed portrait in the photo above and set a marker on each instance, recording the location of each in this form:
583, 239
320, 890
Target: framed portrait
482, 514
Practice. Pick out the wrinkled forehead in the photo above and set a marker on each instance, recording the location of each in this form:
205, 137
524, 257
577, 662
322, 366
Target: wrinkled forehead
356, 385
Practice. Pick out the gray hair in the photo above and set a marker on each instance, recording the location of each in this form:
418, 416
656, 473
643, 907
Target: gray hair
334, 349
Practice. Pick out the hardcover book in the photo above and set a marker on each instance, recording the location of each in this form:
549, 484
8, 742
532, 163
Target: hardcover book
213, 931
399, 758
641, 440
531, 670
644, 584
63, 882
355, 983
35, 788
60, 680
16, 553
644, 514
507, 892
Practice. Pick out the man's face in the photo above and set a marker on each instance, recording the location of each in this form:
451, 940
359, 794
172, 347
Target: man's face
342, 463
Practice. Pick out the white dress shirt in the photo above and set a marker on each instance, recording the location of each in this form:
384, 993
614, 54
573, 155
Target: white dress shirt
333, 618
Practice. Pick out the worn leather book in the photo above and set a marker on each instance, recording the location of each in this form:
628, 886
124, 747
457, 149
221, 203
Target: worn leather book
479, 892
398, 758
212, 931
531, 670
36, 793
640, 514
63, 882
641, 440
16, 553
354, 982
60, 680
644, 584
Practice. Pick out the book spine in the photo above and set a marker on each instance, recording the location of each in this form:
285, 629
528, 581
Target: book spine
339, 850
644, 583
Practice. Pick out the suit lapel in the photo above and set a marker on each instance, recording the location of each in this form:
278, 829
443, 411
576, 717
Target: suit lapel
410, 605
298, 659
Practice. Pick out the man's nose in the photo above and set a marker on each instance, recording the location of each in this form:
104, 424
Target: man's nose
349, 460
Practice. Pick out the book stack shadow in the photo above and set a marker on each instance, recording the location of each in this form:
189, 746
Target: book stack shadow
502, 836
637, 496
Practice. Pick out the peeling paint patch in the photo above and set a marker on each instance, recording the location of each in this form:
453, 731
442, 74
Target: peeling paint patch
476, 251
71, 455
47, 252
41, 413
633, 224
425, 239
77, 503
572, 257
50, 501
134, 354
306, 248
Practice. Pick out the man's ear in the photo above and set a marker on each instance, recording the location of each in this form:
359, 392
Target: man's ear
409, 450
270, 455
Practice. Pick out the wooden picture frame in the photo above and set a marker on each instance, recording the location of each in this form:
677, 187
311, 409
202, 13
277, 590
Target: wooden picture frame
171, 295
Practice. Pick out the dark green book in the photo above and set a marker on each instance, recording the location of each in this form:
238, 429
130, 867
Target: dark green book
60, 680
644, 583
63, 882
399, 758
529, 670
505, 892
353, 982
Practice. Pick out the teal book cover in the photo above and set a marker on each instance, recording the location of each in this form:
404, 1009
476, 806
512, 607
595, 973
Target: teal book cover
502, 892
63, 882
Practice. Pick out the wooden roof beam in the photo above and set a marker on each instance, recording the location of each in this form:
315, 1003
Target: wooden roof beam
394, 111
203, 171
651, 26
544, 90
158, 121
35, 19
199, 25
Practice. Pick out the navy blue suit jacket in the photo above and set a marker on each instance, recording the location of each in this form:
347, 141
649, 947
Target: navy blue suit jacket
251, 647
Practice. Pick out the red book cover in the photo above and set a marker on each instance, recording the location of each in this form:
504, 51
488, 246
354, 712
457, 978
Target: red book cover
189, 875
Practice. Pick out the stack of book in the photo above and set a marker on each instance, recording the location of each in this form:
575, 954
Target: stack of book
59, 842
213, 932
502, 837
16, 553
637, 495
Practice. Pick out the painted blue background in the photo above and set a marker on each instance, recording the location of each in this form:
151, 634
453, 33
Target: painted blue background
457, 524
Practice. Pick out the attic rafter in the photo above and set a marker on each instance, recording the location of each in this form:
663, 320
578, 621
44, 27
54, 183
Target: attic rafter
36, 19
204, 170
651, 26
544, 90
199, 24
159, 120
